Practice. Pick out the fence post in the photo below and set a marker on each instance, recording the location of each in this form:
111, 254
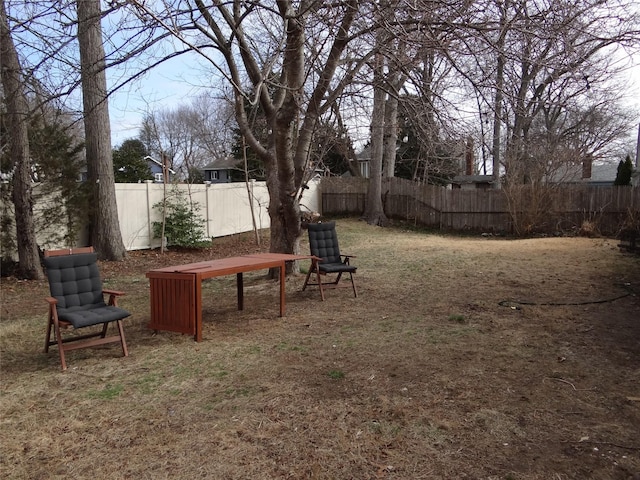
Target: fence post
207, 192
149, 208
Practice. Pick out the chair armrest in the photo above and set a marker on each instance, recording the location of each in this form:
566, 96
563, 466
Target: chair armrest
53, 311
346, 258
113, 296
116, 293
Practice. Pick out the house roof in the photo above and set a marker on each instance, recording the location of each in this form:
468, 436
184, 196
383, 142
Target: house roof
606, 172
225, 163
601, 173
365, 154
157, 162
566, 173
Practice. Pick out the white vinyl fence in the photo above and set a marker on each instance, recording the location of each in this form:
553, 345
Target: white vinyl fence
225, 209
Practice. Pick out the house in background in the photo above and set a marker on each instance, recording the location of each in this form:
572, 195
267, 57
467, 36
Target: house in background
364, 159
157, 171
469, 180
219, 171
587, 173
602, 175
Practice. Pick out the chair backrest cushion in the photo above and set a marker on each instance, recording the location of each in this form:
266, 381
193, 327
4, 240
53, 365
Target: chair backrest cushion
74, 280
323, 242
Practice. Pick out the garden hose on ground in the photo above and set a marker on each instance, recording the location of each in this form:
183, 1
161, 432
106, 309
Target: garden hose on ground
515, 304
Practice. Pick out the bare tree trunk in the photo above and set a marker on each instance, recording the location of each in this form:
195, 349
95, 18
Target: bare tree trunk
497, 107
345, 145
395, 81
390, 136
105, 228
284, 212
497, 122
638, 150
289, 176
374, 211
18, 119
250, 194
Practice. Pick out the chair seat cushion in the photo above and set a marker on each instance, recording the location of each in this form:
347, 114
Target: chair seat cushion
336, 267
91, 315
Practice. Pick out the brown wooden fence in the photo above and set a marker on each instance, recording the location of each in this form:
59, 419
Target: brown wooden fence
553, 209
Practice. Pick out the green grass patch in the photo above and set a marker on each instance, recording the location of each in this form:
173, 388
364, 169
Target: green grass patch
109, 392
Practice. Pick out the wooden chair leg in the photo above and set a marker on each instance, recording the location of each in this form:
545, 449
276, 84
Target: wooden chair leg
123, 342
63, 362
313, 269
320, 284
306, 280
55, 325
47, 340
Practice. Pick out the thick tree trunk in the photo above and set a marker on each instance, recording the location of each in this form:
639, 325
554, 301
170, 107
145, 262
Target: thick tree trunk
390, 136
284, 209
496, 146
18, 119
284, 215
497, 122
105, 228
374, 211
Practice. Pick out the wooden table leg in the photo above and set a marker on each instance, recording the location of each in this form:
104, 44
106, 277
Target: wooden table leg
240, 287
198, 308
174, 302
282, 289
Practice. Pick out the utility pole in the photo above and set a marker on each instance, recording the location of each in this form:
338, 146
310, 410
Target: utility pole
638, 150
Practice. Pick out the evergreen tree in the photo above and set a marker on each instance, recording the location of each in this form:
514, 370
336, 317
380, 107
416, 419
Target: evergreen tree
58, 167
129, 165
625, 171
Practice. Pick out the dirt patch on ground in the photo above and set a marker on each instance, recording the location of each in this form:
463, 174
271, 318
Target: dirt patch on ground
461, 358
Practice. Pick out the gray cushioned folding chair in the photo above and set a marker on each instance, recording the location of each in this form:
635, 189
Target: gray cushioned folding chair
323, 242
77, 300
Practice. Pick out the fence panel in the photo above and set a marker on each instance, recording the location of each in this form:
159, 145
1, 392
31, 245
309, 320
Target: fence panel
225, 209
561, 208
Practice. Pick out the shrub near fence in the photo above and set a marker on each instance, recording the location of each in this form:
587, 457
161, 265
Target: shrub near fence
606, 210
225, 208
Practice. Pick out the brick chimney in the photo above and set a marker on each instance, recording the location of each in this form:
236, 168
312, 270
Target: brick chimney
468, 156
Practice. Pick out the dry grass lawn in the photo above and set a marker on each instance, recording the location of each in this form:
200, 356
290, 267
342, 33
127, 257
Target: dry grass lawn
433, 372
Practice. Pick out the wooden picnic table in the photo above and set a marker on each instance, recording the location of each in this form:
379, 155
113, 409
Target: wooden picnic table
176, 292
